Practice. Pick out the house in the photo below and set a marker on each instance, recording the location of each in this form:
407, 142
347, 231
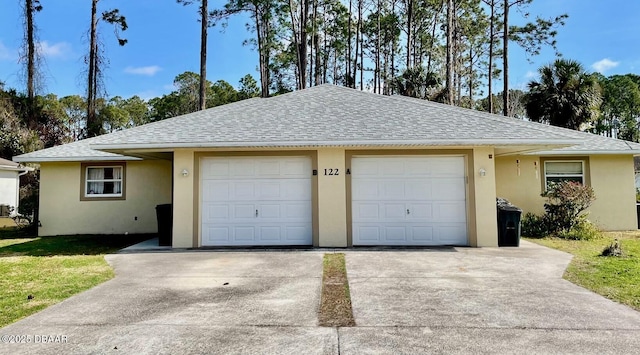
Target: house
10, 173
327, 166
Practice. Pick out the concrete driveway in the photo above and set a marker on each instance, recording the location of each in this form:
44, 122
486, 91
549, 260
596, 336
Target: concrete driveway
462, 300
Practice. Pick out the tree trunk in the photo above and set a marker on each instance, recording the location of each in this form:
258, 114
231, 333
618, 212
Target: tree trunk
204, 12
492, 24
31, 53
449, 63
92, 126
505, 61
361, 44
355, 59
409, 31
262, 57
348, 61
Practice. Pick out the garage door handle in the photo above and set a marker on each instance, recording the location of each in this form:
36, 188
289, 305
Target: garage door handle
408, 212
256, 213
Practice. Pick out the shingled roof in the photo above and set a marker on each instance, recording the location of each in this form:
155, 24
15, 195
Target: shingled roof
329, 115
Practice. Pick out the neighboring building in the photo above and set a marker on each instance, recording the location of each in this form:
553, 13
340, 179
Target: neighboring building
10, 173
327, 166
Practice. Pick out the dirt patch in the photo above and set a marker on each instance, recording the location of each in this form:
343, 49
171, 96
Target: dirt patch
335, 303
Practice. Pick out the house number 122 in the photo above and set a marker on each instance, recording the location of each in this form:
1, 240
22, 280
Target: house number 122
331, 172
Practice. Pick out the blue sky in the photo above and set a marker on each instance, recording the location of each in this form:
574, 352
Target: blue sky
164, 42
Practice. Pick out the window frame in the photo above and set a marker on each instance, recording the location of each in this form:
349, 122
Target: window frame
583, 176
84, 182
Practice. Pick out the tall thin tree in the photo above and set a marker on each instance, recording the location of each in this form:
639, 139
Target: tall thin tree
95, 62
204, 27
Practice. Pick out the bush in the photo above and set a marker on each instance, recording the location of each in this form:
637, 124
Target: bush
533, 226
583, 230
566, 201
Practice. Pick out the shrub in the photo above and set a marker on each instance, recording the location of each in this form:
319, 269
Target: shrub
533, 226
566, 201
583, 230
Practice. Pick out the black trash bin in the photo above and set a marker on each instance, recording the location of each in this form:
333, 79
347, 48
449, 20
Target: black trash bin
164, 213
508, 225
638, 213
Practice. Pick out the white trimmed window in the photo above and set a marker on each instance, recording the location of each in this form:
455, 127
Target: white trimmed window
103, 181
557, 171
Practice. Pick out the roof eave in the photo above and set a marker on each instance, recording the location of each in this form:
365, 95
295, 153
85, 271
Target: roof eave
71, 159
633, 152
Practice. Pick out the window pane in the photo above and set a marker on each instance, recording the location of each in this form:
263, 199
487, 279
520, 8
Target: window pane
564, 167
104, 181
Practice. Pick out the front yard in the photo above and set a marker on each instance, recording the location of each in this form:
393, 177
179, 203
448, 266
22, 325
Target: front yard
617, 278
38, 272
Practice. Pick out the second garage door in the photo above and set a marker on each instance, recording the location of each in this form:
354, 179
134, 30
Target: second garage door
256, 201
408, 200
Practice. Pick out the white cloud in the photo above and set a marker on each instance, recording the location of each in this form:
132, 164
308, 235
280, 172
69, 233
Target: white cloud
530, 74
148, 71
603, 65
55, 50
6, 53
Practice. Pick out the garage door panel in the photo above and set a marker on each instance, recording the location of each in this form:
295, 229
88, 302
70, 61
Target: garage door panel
420, 212
213, 212
365, 190
448, 189
369, 211
297, 234
414, 196
298, 211
450, 211
296, 189
450, 234
419, 190
244, 233
216, 234
395, 233
394, 211
277, 188
367, 235
270, 233
422, 234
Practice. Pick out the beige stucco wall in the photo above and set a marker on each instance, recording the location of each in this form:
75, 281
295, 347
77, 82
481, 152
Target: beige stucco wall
332, 199
611, 176
148, 183
485, 232
522, 189
183, 199
613, 181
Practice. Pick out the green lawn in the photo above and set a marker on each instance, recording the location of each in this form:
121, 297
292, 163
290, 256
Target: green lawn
617, 278
51, 269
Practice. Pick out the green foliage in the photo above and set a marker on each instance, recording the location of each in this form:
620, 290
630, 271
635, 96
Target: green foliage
416, 82
566, 201
533, 226
581, 230
564, 214
620, 107
565, 96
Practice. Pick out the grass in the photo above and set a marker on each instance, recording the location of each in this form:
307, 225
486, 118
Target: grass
617, 278
51, 269
335, 303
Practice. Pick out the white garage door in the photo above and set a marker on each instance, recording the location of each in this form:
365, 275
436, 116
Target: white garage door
408, 200
256, 201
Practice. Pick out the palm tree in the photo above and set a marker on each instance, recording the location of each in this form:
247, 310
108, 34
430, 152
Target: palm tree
565, 96
415, 82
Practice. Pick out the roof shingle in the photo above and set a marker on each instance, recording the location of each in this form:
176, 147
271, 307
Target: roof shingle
331, 115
